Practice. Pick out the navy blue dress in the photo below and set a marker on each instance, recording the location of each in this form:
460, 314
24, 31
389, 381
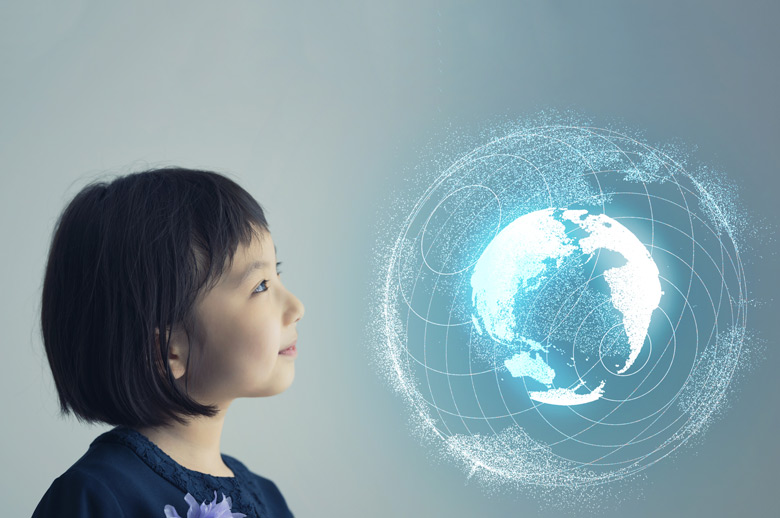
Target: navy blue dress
124, 474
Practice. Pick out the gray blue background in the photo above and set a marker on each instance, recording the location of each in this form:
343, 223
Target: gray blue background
320, 109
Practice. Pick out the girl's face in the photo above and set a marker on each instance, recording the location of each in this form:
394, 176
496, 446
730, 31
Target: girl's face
244, 323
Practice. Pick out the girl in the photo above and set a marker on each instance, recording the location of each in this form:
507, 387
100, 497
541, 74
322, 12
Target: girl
188, 252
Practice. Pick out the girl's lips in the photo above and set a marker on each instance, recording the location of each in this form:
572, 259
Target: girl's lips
290, 351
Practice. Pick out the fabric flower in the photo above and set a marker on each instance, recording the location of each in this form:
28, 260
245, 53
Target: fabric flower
212, 510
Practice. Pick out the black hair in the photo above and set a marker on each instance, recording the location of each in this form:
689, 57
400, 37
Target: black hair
126, 258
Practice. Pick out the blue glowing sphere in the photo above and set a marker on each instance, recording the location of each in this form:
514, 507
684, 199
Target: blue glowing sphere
566, 297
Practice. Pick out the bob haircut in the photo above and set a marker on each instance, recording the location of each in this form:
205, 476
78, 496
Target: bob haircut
129, 258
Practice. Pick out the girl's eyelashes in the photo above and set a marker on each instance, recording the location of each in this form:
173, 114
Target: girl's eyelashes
263, 286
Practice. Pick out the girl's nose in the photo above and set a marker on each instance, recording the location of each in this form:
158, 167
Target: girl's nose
295, 309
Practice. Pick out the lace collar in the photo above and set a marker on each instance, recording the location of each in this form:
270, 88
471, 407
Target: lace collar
199, 485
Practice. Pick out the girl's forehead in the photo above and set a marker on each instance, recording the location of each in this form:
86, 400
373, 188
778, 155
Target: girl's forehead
261, 248
261, 240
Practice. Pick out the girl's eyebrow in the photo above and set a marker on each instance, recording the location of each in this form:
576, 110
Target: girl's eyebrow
257, 265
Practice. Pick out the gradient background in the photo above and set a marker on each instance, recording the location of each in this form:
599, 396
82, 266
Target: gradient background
320, 109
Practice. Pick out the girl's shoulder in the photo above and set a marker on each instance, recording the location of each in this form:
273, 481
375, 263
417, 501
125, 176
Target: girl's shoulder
108, 480
80, 494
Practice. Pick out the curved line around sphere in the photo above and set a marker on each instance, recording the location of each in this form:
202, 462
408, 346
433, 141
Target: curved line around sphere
740, 278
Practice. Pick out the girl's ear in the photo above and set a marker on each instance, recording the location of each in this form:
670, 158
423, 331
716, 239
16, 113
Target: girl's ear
178, 349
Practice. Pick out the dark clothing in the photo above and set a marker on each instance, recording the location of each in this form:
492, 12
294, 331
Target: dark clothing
124, 474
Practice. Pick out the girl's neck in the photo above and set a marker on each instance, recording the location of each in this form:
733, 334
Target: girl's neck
196, 445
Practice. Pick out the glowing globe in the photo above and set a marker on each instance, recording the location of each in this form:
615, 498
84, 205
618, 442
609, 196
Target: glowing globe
566, 297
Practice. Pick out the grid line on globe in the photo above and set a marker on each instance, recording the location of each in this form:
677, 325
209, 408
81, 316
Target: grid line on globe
564, 306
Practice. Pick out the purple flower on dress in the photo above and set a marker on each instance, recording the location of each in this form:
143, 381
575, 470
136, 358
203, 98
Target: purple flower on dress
212, 510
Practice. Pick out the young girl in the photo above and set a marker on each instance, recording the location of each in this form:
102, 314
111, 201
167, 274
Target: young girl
187, 252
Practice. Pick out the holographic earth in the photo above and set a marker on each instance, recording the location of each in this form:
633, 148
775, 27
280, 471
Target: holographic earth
563, 306
536, 258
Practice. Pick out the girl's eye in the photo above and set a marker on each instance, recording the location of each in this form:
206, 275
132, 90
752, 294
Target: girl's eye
263, 285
